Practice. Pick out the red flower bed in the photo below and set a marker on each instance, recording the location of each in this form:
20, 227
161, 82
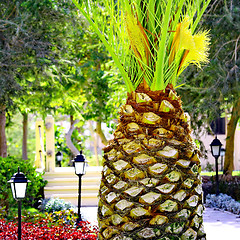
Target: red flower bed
40, 230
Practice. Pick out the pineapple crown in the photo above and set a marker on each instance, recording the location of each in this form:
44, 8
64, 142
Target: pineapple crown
151, 41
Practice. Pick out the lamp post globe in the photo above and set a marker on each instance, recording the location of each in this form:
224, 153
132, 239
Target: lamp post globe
216, 147
216, 151
59, 157
79, 165
19, 186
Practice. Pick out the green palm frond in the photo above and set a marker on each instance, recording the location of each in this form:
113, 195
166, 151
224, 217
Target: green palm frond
145, 37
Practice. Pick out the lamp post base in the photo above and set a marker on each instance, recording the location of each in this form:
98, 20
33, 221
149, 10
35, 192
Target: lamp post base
79, 220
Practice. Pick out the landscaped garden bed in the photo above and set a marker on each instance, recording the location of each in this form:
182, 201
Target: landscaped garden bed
229, 186
52, 219
56, 220
41, 230
229, 197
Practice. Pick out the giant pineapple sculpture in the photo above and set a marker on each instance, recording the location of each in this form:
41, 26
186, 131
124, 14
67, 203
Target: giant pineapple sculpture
151, 184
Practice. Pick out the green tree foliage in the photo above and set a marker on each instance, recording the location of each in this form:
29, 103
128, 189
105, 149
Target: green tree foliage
216, 90
51, 62
34, 40
100, 84
92, 91
14, 133
28, 42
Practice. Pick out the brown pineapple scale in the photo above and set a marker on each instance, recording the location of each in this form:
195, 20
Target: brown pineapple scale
151, 185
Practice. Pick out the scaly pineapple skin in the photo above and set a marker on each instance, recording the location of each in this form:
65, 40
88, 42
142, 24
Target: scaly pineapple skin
150, 186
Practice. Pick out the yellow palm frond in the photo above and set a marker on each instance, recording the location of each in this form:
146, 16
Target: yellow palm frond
187, 48
198, 54
137, 37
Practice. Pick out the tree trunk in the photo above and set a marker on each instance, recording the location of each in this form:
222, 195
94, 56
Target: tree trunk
95, 145
100, 133
71, 120
231, 128
25, 133
69, 142
3, 140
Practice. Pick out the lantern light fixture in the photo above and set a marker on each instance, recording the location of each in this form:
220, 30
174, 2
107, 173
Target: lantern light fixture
79, 165
216, 147
216, 152
59, 157
19, 185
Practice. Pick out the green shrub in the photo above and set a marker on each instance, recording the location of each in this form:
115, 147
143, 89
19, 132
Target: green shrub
9, 166
2, 212
231, 186
55, 204
57, 218
33, 215
29, 213
61, 218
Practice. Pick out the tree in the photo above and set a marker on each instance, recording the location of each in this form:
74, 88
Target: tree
216, 89
33, 36
8, 88
150, 186
93, 90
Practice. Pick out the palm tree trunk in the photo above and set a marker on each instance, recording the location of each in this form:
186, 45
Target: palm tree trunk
231, 128
151, 185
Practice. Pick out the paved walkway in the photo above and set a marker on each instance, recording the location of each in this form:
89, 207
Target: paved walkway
219, 225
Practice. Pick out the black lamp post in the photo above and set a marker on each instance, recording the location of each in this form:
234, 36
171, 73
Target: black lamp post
59, 157
19, 186
216, 150
79, 165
